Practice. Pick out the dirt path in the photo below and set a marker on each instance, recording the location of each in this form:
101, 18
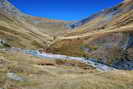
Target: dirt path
94, 33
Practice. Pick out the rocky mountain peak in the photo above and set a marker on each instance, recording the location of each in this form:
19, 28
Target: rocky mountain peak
9, 9
7, 6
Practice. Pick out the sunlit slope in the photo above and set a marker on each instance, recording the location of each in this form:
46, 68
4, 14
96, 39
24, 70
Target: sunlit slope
106, 42
25, 31
114, 17
38, 75
49, 26
21, 34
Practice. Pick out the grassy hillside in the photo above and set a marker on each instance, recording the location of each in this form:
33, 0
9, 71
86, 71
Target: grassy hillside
105, 42
108, 37
25, 31
19, 34
111, 18
38, 75
49, 26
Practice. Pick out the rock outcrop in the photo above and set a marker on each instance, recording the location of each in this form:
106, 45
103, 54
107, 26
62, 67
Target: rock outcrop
129, 43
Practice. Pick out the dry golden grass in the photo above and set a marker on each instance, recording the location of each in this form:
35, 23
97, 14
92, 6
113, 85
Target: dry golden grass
22, 34
61, 74
104, 44
57, 76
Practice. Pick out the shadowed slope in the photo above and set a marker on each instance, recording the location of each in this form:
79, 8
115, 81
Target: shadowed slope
105, 41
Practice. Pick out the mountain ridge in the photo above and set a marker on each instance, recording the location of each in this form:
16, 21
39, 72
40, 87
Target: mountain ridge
107, 36
41, 29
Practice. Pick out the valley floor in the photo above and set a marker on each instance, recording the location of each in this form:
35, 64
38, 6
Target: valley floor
23, 71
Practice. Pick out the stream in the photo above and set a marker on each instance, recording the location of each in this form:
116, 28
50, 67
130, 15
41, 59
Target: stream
90, 61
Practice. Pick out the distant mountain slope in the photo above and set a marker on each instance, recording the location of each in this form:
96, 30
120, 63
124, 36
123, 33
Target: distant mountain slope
22, 30
107, 36
15, 29
100, 19
48, 26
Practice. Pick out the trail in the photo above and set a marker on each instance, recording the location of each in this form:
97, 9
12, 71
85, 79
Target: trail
94, 33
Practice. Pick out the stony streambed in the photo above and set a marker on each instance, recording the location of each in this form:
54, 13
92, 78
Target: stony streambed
89, 61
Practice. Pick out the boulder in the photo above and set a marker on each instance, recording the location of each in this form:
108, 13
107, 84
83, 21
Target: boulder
14, 76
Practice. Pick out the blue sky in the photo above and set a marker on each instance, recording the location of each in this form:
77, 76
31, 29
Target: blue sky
63, 9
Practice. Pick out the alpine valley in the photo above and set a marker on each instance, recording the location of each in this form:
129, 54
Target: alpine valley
40, 53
